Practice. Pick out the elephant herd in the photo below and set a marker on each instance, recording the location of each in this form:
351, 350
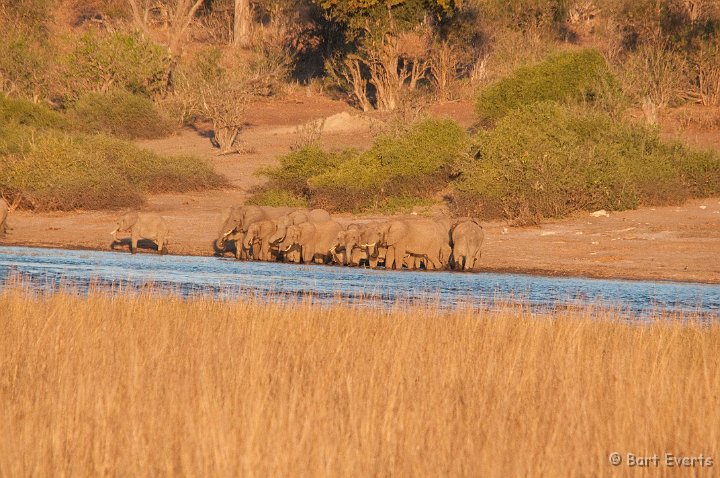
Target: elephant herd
313, 236
302, 236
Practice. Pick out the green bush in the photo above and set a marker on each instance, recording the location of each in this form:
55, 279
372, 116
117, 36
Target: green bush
408, 167
299, 166
412, 164
61, 171
548, 160
276, 198
575, 75
26, 113
104, 61
118, 113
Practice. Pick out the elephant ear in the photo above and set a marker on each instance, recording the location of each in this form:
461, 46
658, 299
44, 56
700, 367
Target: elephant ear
389, 233
129, 220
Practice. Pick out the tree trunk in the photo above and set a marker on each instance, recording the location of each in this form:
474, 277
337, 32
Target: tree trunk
241, 27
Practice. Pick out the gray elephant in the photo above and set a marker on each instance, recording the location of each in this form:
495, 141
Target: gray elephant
467, 238
314, 241
235, 223
346, 250
352, 248
4, 209
143, 226
423, 238
258, 237
316, 216
356, 238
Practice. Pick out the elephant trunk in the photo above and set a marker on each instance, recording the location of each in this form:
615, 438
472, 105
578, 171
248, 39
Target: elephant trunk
348, 253
279, 235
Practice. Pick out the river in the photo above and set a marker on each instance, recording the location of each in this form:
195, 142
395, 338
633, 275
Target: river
47, 269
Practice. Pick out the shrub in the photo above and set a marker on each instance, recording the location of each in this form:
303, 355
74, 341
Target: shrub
23, 66
26, 113
61, 171
548, 160
101, 62
412, 164
402, 168
276, 197
574, 75
120, 114
297, 167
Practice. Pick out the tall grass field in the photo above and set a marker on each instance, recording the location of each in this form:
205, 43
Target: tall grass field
140, 385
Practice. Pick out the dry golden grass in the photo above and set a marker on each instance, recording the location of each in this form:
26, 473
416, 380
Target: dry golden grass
146, 386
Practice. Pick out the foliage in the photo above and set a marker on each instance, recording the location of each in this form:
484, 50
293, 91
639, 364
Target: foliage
54, 170
548, 160
400, 168
275, 198
573, 75
118, 113
25, 56
297, 167
101, 62
24, 112
22, 65
218, 86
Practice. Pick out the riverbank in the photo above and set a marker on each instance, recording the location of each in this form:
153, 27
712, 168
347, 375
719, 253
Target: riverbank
677, 243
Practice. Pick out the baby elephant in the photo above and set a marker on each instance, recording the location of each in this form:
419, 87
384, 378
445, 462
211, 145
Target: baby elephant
3, 216
143, 226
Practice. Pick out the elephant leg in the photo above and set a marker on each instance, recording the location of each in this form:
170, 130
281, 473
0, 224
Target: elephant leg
433, 263
162, 245
133, 243
390, 258
399, 254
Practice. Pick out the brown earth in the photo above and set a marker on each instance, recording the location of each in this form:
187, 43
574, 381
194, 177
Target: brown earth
679, 243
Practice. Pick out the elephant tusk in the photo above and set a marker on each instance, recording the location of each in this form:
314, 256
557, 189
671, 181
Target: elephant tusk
114, 232
288, 248
227, 234
369, 245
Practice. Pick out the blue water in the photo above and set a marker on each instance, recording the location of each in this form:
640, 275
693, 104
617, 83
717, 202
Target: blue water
46, 269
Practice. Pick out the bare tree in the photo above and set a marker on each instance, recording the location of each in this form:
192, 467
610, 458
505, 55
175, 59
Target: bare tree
348, 73
174, 16
242, 22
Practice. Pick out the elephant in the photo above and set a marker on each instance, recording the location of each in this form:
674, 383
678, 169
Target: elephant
346, 250
467, 238
143, 226
4, 209
315, 241
422, 238
351, 248
236, 221
258, 236
316, 216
